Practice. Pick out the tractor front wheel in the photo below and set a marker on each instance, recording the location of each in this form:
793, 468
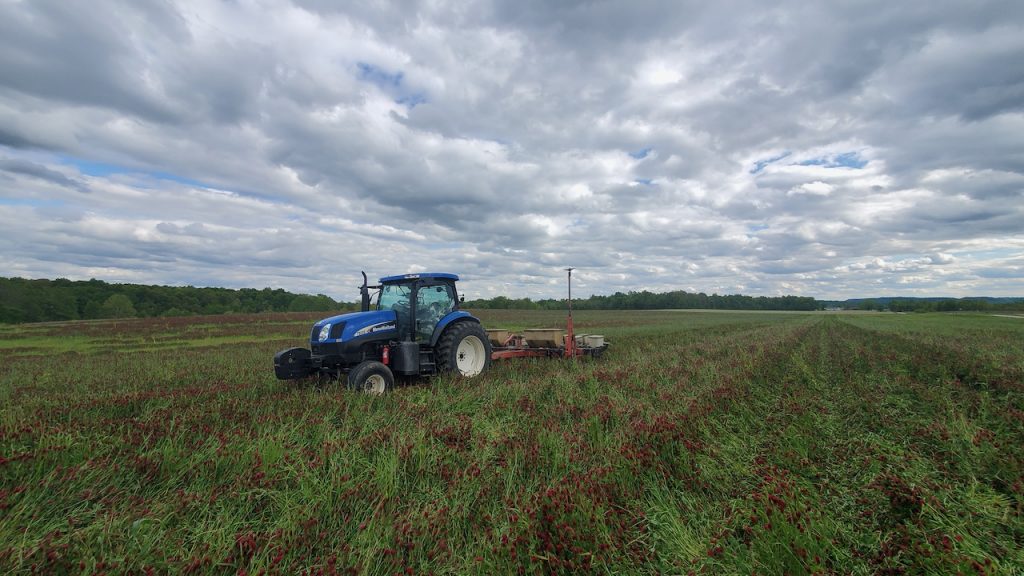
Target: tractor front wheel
371, 377
464, 349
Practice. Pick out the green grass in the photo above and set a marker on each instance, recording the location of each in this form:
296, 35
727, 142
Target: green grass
708, 442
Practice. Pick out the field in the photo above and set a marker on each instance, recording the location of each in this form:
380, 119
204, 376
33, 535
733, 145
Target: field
767, 443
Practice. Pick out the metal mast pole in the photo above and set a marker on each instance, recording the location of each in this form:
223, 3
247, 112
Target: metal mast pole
569, 270
570, 346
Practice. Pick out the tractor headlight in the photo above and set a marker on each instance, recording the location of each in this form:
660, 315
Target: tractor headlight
325, 332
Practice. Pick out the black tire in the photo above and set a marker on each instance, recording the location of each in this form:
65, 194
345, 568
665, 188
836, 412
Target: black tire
464, 343
371, 377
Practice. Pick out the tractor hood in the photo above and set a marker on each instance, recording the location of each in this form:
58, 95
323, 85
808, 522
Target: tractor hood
345, 327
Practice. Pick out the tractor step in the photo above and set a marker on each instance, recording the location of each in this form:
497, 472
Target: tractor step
427, 365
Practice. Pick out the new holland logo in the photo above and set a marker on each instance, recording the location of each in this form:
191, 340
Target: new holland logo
384, 326
375, 328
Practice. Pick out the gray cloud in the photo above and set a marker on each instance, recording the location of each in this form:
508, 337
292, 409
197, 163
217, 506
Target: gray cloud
846, 149
24, 167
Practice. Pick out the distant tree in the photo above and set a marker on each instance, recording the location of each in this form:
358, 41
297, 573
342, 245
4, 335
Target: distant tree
926, 306
307, 303
974, 304
118, 306
93, 309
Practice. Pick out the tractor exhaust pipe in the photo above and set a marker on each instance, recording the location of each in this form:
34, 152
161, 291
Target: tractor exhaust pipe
364, 291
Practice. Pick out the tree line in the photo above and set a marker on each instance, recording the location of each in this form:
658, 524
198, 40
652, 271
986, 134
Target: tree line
23, 300
938, 305
645, 300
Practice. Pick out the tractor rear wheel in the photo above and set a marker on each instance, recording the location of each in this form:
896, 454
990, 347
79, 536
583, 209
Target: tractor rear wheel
464, 349
371, 377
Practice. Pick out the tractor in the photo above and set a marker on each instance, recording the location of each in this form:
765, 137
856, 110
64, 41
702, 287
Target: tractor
415, 328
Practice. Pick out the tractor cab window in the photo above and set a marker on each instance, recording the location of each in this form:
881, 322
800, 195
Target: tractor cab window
397, 297
432, 304
392, 295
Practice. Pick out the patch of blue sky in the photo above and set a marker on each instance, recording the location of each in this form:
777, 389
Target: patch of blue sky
412, 100
91, 168
644, 181
379, 76
1000, 272
641, 154
32, 202
178, 179
992, 253
844, 160
761, 164
753, 229
148, 179
101, 170
391, 82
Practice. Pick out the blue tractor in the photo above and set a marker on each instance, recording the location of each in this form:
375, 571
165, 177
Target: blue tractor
410, 325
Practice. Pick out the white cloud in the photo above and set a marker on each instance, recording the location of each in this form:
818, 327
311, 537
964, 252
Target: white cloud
817, 188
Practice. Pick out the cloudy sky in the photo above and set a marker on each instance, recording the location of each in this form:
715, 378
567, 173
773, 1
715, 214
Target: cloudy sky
834, 149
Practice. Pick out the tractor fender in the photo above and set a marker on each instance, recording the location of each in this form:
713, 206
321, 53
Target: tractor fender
451, 318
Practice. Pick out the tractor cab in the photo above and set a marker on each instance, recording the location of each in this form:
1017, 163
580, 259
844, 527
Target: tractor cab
420, 302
